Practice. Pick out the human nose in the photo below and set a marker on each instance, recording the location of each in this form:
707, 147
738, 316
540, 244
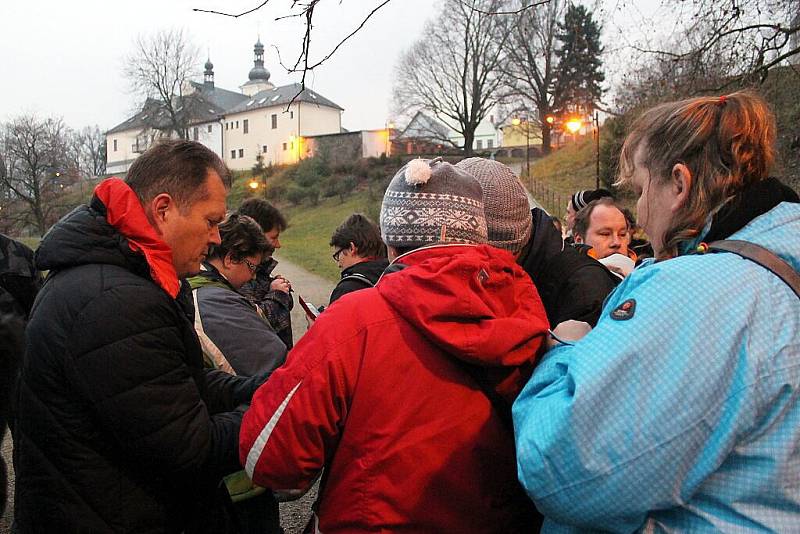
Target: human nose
215, 237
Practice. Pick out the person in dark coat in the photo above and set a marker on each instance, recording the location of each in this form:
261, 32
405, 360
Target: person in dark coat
270, 292
360, 254
117, 425
19, 283
571, 285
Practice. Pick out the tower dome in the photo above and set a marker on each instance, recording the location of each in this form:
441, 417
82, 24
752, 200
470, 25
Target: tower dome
258, 72
208, 74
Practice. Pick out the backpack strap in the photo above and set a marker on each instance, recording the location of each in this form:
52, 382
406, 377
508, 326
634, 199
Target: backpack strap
358, 277
762, 256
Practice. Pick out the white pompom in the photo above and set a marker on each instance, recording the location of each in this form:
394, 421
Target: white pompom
418, 172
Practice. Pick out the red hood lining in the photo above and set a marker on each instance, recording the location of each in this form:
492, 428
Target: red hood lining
125, 213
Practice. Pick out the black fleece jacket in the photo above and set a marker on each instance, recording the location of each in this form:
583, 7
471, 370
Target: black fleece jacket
571, 285
118, 428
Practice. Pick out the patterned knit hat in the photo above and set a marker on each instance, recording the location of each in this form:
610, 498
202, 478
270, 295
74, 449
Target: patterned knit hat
582, 198
430, 201
508, 214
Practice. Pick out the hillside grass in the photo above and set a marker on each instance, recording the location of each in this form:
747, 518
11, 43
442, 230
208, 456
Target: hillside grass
305, 241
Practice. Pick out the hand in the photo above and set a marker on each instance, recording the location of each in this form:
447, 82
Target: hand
280, 284
569, 331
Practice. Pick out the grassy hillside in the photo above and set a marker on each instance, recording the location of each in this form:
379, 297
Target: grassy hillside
306, 240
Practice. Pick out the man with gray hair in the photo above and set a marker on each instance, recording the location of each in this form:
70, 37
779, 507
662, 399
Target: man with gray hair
571, 285
118, 428
401, 391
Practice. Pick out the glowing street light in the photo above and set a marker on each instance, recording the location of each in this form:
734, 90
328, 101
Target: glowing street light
253, 184
573, 125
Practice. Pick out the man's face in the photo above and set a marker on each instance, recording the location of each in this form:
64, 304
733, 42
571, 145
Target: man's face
607, 233
272, 236
346, 257
190, 229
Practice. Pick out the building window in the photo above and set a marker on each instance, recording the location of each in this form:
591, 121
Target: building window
479, 144
264, 149
115, 145
246, 125
291, 114
233, 154
490, 143
284, 146
237, 125
241, 152
274, 121
209, 128
226, 125
196, 134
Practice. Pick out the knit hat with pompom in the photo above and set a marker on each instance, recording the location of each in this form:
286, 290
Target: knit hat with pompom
431, 201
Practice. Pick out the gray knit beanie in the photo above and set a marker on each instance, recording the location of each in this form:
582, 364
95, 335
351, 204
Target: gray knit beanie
505, 202
430, 201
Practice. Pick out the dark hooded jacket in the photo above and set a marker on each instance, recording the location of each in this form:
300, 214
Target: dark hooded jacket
571, 285
19, 282
118, 428
359, 276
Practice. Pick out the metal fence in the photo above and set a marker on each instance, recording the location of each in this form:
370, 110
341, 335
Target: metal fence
553, 202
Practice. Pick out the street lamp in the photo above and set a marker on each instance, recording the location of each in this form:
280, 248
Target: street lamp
253, 183
389, 128
596, 121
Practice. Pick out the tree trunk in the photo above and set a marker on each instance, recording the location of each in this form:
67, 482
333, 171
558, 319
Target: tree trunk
546, 129
469, 140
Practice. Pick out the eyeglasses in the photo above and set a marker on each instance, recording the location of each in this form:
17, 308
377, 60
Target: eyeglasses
250, 265
338, 253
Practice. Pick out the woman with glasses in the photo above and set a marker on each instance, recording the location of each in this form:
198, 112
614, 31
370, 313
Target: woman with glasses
235, 336
238, 339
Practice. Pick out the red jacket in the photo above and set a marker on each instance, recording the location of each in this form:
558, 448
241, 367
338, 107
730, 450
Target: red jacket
376, 392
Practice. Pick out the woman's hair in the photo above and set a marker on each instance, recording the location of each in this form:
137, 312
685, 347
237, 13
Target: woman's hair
242, 237
726, 142
363, 233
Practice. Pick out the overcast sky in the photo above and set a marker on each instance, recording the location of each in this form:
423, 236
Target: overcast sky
65, 58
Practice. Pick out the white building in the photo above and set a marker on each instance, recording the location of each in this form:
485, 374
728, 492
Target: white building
238, 126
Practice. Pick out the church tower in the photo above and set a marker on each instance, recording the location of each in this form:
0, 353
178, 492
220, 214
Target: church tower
259, 76
208, 75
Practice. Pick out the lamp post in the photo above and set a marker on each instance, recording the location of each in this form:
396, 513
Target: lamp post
596, 121
389, 128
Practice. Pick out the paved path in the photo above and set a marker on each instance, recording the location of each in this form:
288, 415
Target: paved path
314, 288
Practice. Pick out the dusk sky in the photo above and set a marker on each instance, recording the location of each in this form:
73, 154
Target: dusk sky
66, 58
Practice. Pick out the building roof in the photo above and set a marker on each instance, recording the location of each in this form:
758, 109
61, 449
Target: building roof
281, 96
218, 96
153, 115
422, 126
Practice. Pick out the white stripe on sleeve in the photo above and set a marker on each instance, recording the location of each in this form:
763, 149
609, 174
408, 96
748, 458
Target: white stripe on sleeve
266, 432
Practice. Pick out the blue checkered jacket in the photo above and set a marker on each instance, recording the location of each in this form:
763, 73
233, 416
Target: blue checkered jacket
684, 416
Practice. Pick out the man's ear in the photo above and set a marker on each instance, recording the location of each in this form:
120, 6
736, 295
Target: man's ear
161, 208
578, 239
680, 185
352, 249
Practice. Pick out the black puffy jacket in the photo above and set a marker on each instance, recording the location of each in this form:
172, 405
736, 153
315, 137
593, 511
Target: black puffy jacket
118, 426
571, 285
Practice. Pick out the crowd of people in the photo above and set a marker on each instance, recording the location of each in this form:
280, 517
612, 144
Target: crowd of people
476, 369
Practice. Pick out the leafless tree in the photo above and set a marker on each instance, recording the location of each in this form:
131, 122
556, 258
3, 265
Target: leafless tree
91, 151
160, 68
738, 40
35, 159
453, 71
530, 64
